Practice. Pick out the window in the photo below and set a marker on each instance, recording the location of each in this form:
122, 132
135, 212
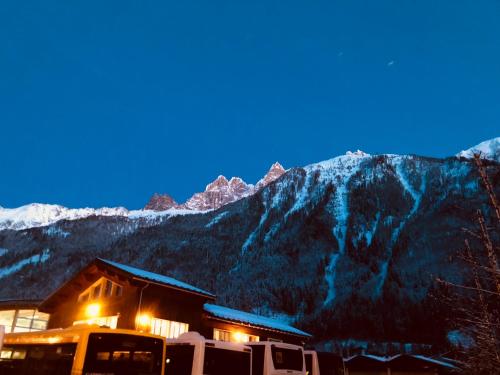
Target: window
108, 321
7, 319
26, 320
102, 288
222, 361
179, 359
37, 359
224, 335
108, 289
112, 353
168, 328
287, 359
118, 290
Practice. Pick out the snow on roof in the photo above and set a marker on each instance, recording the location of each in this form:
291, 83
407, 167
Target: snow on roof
432, 360
390, 359
151, 276
252, 319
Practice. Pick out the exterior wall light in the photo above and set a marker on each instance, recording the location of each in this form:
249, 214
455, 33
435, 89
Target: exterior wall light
92, 310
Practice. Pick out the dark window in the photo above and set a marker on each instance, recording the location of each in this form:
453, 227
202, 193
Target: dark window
96, 291
226, 362
258, 359
309, 363
123, 354
118, 290
179, 359
287, 359
37, 359
108, 288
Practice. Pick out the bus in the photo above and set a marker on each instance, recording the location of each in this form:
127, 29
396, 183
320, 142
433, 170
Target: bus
276, 358
323, 363
82, 350
192, 354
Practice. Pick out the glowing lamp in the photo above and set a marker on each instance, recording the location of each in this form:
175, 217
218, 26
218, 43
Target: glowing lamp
93, 310
143, 320
239, 337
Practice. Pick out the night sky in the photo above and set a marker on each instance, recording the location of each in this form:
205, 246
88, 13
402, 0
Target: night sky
103, 103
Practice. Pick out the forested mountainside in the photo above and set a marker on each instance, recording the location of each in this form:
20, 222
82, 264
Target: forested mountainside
349, 247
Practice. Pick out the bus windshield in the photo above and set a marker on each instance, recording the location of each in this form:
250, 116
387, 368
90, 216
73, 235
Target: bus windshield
287, 359
114, 353
179, 359
220, 361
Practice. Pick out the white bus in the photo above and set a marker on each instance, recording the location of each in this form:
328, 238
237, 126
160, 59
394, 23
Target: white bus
82, 349
192, 354
323, 363
276, 358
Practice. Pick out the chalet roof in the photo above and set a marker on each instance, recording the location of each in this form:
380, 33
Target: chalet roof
156, 277
399, 359
258, 321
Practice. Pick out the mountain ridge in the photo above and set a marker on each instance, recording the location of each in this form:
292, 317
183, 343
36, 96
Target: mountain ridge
347, 247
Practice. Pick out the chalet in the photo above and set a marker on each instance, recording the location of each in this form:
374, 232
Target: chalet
120, 296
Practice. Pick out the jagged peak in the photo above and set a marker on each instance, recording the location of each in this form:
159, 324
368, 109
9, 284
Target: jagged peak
277, 166
218, 182
160, 202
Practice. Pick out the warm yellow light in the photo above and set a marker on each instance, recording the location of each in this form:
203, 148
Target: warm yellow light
143, 320
239, 337
93, 310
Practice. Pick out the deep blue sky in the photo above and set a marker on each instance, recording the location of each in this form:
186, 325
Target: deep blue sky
106, 102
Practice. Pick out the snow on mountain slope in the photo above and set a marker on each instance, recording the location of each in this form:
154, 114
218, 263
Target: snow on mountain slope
39, 215
489, 149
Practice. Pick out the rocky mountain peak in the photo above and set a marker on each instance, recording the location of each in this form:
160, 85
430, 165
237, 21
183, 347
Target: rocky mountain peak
161, 202
275, 172
218, 183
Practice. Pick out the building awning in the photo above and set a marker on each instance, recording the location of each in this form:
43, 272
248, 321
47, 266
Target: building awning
257, 321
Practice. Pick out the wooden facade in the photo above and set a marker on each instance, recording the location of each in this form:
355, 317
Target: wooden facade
135, 293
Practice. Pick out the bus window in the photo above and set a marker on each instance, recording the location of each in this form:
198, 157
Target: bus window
123, 354
258, 359
287, 359
39, 359
226, 362
179, 359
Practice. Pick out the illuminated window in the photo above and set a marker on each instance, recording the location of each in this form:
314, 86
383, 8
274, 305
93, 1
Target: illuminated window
234, 336
23, 320
168, 328
108, 321
102, 288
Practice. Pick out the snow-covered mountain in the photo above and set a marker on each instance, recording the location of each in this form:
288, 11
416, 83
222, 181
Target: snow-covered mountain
489, 149
40, 215
217, 194
348, 247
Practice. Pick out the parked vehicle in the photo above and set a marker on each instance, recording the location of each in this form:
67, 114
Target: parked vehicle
322, 363
276, 358
82, 349
192, 354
